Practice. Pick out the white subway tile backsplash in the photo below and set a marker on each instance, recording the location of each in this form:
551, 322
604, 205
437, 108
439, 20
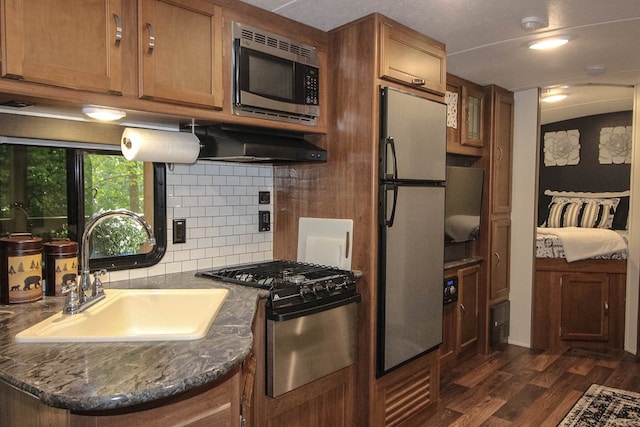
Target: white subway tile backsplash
220, 203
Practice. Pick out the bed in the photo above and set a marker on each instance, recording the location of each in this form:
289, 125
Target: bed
580, 277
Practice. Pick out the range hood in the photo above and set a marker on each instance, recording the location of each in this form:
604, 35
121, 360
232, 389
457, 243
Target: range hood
254, 145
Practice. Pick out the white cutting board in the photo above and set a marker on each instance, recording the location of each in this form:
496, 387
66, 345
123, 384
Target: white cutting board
326, 241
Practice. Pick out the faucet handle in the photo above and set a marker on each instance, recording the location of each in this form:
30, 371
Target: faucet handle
69, 287
97, 283
73, 301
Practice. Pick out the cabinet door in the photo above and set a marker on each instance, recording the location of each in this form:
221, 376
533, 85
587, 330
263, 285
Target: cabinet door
412, 60
584, 307
501, 150
500, 259
449, 332
180, 52
472, 128
81, 49
468, 279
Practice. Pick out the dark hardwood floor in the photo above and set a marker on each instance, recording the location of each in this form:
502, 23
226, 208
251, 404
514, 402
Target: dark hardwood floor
516, 386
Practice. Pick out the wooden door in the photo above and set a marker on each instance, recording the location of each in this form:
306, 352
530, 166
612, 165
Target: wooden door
62, 43
449, 333
501, 148
180, 50
500, 259
584, 307
468, 280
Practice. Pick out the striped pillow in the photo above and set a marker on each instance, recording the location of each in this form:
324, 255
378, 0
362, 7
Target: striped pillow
581, 212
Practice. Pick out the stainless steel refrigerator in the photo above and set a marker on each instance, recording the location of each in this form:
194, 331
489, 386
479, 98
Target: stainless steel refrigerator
411, 227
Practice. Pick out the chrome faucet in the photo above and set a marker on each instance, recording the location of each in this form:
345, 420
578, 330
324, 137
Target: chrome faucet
81, 296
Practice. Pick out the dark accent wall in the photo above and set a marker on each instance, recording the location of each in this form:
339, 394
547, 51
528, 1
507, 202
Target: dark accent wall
588, 175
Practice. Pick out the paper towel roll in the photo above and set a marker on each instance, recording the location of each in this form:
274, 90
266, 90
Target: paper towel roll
148, 145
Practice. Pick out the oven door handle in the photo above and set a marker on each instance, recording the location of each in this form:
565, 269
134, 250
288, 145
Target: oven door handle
284, 316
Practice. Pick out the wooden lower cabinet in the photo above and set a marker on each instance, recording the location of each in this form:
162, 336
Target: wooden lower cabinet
328, 401
579, 304
460, 318
584, 306
211, 405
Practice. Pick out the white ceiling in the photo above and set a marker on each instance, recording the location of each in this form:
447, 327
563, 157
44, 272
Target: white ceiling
487, 44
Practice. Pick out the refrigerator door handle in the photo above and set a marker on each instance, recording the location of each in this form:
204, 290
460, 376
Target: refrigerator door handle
388, 222
390, 143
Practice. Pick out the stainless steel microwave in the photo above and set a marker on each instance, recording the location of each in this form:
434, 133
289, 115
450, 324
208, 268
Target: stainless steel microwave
274, 77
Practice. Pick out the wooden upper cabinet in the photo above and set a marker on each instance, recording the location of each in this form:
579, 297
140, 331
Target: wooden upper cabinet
413, 59
62, 43
501, 143
465, 120
472, 122
180, 51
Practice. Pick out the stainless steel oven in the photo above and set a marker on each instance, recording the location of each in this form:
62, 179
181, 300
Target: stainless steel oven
311, 313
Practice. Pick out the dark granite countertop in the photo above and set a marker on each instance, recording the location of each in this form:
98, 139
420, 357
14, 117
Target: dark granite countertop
103, 376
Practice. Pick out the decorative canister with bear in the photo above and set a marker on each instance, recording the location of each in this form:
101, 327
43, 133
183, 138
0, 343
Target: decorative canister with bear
60, 265
20, 268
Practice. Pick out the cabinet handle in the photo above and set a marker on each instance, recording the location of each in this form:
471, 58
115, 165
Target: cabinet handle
152, 39
497, 259
606, 308
463, 311
499, 153
417, 81
118, 29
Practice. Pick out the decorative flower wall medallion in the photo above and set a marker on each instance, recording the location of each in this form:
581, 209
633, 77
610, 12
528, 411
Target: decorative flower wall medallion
562, 148
615, 145
451, 99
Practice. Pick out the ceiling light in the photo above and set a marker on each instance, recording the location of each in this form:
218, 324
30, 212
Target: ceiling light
103, 113
595, 70
554, 98
531, 23
548, 43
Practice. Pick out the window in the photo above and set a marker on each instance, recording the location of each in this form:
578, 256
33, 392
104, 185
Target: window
53, 191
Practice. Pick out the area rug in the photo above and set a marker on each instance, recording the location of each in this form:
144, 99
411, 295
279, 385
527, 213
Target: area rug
603, 407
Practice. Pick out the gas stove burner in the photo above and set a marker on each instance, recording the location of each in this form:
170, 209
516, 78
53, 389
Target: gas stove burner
296, 279
291, 284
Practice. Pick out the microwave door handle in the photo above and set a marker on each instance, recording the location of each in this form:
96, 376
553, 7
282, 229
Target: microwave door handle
390, 148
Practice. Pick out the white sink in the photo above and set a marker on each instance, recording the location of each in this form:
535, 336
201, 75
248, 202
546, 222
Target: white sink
134, 315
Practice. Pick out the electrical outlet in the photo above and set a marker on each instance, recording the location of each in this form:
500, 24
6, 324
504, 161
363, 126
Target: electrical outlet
264, 197
179, 231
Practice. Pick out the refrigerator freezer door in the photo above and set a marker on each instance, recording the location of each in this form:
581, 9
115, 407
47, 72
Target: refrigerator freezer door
418, 128
411, 318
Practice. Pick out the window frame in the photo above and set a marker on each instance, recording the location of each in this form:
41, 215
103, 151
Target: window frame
76, 206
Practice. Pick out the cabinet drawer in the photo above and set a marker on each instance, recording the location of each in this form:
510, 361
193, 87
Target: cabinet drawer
410, 59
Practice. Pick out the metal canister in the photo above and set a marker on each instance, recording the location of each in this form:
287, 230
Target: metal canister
60, 265
20, 268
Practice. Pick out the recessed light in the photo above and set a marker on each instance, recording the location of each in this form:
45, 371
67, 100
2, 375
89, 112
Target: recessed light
554, 98
103, 113
550, 43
